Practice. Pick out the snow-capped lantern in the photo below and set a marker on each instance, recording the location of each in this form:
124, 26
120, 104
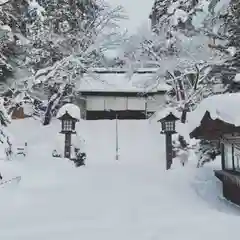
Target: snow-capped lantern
68, 123
69, 114
168, 123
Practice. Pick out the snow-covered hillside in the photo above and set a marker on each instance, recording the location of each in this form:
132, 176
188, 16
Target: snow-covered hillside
133, 198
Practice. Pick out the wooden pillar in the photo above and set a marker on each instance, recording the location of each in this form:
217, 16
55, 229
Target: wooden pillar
169, 150
117, 148
67, 147
233, 163
222, 155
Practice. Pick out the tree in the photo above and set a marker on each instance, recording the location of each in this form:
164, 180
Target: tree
179, 47
4, 138
227, 41
12, 31
184, 46
207, 151
68, 39
67, 27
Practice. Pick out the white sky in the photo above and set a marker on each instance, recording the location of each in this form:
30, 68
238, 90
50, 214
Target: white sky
138, 12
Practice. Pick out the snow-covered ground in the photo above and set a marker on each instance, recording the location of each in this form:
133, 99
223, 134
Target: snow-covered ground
133, 198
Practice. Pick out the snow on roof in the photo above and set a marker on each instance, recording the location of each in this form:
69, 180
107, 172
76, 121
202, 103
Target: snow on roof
224, 107
72, 109
165, 111
120, 82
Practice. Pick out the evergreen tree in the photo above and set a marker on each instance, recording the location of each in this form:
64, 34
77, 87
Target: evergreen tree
4, 138
230, 33
12, 28
57, 30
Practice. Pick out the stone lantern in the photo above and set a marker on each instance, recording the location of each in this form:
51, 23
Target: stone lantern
68, 128
168, 128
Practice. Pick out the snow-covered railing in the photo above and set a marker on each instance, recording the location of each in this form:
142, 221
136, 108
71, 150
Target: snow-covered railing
22, 150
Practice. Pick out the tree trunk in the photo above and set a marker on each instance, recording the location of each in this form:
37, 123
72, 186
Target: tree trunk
184, 113
48, 113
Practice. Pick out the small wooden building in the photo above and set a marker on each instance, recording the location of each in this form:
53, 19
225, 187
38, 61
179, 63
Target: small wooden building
21, 110
112, 93
221, 123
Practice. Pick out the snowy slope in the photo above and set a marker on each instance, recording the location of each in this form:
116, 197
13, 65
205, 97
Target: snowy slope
134, 198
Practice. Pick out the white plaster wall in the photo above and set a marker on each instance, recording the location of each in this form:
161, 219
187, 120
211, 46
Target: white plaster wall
136, 103
101, 103
154, 102
115, 103
95, 103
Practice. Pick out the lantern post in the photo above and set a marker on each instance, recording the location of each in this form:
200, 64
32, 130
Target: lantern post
68, 128
168, 125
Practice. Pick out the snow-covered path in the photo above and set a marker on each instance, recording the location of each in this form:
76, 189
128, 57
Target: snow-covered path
108, 199
138, 141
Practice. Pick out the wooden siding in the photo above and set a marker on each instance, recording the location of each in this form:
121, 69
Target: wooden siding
97, 115
231, 185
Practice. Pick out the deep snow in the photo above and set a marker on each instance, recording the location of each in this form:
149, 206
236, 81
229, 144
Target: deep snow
133, 198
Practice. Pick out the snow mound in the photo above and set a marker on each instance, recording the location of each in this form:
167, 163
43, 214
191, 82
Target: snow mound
224, 107
72, 109
5, 28
237, 78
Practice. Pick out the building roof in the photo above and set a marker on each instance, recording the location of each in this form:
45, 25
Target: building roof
143, 70
219, 114
121, 82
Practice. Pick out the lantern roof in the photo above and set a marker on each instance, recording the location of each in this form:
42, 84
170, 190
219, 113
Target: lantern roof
72, 110
67, 116
169, 117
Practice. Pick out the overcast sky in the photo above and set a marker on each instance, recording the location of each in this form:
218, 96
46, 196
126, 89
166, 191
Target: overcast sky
138, 12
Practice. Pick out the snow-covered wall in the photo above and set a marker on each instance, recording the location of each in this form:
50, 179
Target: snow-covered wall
95, 103
101, 103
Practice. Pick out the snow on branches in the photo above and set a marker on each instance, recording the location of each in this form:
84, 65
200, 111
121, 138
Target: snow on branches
178, 46
4, 137
71, 39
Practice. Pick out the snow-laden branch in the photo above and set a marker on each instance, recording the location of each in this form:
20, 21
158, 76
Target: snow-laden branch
3, 2
80, 48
